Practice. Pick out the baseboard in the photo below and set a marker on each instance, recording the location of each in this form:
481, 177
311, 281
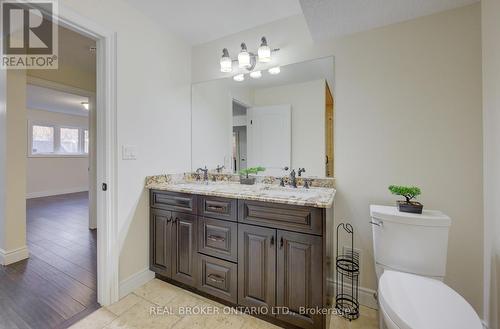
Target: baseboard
42, 194
135, 281
8, 257
366, 296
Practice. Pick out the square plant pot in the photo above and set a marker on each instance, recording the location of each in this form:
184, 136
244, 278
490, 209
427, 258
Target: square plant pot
247, 181
412, 207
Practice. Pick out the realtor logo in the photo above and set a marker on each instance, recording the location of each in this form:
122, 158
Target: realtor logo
29, 34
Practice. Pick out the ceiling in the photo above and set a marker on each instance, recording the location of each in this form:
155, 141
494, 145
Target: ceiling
41, 98
200, 21
330, 18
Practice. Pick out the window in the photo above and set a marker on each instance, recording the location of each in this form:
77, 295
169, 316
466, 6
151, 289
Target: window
43, 139
69, 140
53, 140
86, 141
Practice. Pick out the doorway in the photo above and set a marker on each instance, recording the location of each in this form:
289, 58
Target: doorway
105, 185
61, 228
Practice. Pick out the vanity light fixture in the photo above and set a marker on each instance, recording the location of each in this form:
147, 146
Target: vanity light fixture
264, 51
226, 63
85, 105
239, 77
244, 58
256, 74
274, 70
247, 59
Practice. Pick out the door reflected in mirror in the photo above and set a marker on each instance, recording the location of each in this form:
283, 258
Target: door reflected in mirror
276, 121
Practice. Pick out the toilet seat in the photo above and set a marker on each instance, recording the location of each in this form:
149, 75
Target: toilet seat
417, 302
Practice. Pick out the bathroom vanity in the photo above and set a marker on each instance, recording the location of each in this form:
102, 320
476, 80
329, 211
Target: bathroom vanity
261, 246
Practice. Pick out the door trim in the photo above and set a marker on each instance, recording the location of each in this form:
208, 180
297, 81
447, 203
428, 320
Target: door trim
106, 151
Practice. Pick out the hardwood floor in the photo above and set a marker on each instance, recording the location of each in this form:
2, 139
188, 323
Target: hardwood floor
57, 285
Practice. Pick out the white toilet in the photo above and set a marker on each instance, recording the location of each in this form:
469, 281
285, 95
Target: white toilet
410, 253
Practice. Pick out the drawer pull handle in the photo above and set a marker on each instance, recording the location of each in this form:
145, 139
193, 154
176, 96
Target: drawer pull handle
216, 208
281, 242
216, 278
272, 240
216, 238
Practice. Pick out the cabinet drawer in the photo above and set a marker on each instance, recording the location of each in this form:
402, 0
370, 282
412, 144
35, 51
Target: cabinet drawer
281, 216
173, 201
218, 278
216, 207
218, 238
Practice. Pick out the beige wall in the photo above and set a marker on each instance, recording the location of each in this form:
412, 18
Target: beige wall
408, 111
56, 175
13, 178
308, 121
491, 119
153, 105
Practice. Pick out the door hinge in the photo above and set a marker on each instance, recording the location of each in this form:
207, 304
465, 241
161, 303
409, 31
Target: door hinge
104, 186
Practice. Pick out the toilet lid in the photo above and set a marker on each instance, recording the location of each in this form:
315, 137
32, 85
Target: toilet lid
417, 302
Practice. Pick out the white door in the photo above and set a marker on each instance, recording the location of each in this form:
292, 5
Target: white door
269, 137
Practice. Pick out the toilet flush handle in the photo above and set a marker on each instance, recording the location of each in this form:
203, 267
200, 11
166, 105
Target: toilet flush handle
377, 224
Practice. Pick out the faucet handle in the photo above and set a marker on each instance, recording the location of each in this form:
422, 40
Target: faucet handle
282, 182
301, 170
307, 183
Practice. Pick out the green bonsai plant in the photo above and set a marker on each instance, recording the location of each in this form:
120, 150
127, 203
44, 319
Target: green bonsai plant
245, 179
253, 170
409, 193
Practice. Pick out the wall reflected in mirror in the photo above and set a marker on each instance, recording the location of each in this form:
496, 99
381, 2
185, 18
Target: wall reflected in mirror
275, 121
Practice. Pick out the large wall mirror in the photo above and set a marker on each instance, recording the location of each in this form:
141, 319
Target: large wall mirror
275, 121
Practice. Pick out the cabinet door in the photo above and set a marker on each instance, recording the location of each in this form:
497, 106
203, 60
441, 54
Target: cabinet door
184, 248
299, 277
160, 251
256, 266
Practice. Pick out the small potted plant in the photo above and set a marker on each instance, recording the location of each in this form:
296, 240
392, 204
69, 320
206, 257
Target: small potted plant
409, 193
245, 179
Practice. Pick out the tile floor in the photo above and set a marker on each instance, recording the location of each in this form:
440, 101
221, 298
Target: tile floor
134, 312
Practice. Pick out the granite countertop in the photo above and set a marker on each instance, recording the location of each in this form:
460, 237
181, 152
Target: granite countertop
320, 195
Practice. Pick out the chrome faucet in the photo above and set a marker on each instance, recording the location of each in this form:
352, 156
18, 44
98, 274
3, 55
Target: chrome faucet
293, 179
205, 173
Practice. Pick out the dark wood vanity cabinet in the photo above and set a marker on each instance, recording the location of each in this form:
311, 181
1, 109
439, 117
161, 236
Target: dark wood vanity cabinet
247, 253
184, 253
160, 252
256, 266
173, 245
299, 277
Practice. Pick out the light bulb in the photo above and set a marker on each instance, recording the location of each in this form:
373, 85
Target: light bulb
274, 70
226, 64
256, 74
264, 51
244, 57
239, 77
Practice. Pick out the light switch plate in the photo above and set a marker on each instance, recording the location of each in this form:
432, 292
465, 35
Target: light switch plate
129, 152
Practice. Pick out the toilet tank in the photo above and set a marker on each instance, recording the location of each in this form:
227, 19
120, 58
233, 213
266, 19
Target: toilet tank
412, 243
